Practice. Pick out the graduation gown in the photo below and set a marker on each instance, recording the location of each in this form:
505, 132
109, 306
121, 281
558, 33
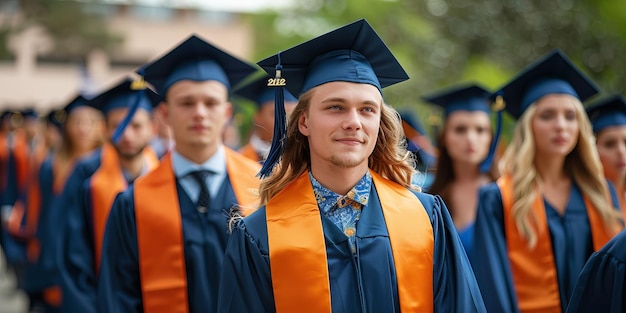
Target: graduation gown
365, 283
40, 272
77, 253
570, 236
601, 286
204, 235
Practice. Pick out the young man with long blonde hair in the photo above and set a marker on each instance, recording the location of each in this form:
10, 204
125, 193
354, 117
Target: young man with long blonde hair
341, 228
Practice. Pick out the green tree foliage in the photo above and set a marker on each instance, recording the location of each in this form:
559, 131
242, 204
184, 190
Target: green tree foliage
73, 31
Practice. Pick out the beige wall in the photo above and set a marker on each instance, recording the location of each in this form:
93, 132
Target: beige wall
44, 85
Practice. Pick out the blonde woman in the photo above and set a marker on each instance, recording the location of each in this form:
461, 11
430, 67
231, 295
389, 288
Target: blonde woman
608, 118
539, 223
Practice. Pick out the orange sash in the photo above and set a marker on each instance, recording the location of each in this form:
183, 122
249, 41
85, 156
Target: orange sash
27, 166
160, 234
296, 241
106, 183
249, 152
533, 270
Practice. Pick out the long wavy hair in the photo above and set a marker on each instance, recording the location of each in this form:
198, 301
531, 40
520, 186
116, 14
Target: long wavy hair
582, 164
389, 159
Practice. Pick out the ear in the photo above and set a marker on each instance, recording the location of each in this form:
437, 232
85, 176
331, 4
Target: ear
229, 111
303, 125
165, 114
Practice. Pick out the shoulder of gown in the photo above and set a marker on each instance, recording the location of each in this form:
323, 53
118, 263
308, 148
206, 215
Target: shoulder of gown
601, 286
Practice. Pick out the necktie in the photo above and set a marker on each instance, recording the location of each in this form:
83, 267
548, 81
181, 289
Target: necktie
203, 198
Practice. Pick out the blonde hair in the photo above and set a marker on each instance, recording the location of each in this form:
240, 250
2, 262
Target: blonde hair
582, 164
389, 159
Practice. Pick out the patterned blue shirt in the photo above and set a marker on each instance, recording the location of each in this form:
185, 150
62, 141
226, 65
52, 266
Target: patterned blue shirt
344, 211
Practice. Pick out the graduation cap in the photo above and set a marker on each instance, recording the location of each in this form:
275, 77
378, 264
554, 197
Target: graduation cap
193, 59
471, 97
57, 117
413, 128
29, 113
352, 53
197, 60
258, 92
554, 73
607, 112
123, 95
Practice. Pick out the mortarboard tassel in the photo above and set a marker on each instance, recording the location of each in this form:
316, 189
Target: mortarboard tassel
139, 85
280, 123
498, 106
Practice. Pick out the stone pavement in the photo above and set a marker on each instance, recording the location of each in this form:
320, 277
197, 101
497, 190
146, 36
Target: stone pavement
11, 299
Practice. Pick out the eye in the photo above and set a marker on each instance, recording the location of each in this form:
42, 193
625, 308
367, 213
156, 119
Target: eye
459, 129
335, 107
369, 109
570, 116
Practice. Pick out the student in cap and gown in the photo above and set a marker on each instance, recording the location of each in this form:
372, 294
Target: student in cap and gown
121, 160
539, 223
341, 228
260, 140
608, 118
79, 134
424, 153
466, 153
165, 238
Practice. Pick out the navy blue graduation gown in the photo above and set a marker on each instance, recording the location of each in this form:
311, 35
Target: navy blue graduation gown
66, 215
571, 244
601, 286
14, 249
205, 236
366, 283
42, 273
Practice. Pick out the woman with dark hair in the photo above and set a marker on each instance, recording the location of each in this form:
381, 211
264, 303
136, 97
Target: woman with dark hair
81, 130
464, 164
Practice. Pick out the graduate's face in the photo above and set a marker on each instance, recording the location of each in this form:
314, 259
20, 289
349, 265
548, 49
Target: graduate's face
555, 125
137, 133
197, 113
342, 124
467, 136
84, 129
264, 118
611, 143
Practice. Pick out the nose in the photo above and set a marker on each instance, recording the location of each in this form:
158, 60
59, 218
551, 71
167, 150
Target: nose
621, 149
561, 121
352, 120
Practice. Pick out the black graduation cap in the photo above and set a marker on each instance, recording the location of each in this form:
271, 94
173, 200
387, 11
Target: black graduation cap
197, 60
352, 53
123, 95
472, 97
607, 112
553, 73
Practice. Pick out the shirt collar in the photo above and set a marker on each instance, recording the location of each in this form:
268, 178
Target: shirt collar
326, 198
216, 164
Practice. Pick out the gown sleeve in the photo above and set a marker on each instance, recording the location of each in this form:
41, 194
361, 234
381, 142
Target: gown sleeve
489, 257
601, 286
119, 284
245, 282
454, 285
77, 264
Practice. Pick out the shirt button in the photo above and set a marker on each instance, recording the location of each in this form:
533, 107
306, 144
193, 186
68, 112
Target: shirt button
202, 209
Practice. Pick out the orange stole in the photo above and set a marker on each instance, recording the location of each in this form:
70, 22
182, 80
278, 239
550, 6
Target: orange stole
249, 152
160, 234
106, 183
296, 242
533, 270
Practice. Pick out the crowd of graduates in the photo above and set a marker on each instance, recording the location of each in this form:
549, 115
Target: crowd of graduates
131, 200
